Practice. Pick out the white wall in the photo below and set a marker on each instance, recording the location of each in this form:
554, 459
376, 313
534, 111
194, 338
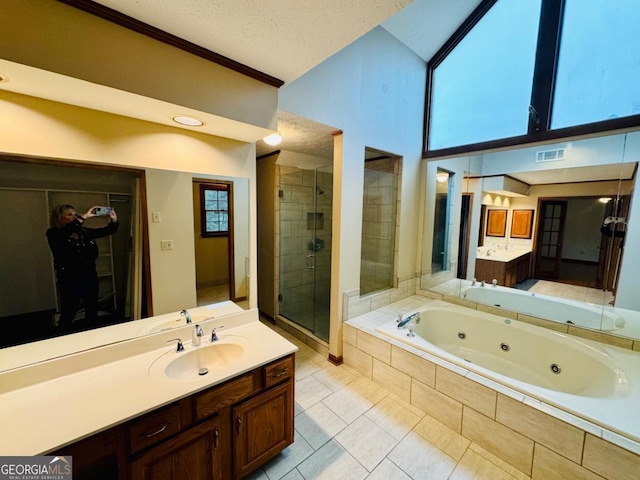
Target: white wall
372, 90
171, 156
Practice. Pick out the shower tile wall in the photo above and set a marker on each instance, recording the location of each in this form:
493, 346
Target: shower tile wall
379, 225
298, 215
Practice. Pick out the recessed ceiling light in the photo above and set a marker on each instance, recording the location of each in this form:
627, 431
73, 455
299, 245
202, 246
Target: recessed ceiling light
273, 139
3, 78
188, 120
442, 177
604, 199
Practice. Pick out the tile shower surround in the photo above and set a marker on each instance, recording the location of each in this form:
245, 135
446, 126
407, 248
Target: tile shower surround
527, 434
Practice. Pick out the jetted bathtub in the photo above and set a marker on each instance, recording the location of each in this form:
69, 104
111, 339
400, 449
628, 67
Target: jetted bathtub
551, 308
596, 382
527, 353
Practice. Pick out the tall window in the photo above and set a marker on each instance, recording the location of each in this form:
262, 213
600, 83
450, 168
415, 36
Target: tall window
530, 71
599, 63
482, 89
215, 209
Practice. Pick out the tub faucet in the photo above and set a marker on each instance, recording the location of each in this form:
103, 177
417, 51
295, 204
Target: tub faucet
494, 282
186, 315
473, 282
403, 323
196, 335
482, 283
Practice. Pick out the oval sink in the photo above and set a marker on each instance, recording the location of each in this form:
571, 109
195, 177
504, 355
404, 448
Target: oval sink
203, 359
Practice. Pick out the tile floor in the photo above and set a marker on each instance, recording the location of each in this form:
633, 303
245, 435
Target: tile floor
219, 293
572, 292
349, 428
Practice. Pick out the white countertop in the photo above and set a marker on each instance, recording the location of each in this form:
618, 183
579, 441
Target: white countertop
44, 416
501, 255
35, 352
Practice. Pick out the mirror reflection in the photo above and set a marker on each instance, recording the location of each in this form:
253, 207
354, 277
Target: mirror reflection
542, 231
30, 305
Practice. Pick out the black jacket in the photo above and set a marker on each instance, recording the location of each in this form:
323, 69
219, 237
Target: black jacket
71, 253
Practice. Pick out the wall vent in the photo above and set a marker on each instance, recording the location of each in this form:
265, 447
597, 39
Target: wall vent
550, 155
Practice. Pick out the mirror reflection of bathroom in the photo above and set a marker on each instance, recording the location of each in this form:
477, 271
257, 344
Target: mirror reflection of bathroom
30, 295
550, 222
440, 255
220, 262
379, 220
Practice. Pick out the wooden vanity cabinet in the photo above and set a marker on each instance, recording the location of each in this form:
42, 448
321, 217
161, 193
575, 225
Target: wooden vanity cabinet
260, 433
222, 433
195, 453
506, 273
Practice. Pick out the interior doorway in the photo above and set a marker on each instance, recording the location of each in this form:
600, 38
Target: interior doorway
213, 236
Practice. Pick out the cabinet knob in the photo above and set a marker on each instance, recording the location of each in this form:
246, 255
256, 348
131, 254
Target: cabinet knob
238, 425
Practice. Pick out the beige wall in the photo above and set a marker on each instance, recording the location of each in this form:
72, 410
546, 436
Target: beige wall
68, 41
172, 157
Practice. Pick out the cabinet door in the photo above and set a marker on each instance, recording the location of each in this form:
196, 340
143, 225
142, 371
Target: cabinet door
263, 428
191, 455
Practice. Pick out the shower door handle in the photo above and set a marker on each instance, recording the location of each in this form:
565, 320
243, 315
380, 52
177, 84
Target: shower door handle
310, 261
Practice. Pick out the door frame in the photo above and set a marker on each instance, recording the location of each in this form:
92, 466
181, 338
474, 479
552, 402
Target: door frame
231, 231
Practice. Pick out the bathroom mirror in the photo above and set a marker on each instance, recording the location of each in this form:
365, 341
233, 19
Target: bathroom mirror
29, 188
557, 199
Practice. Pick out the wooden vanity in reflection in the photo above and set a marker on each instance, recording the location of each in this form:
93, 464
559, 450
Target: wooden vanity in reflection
506, 272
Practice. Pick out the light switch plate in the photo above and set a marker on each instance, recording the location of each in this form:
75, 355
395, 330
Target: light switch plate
155, 217
166, 244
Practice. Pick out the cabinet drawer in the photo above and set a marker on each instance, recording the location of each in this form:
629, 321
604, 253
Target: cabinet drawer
277, 372
212, 401
154, 427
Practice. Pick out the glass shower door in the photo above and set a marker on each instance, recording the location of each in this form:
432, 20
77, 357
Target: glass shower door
305, 247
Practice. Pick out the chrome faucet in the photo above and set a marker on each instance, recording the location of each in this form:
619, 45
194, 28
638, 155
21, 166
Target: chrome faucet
186, 315
489, 252
214, 335
403, 323
494, 282
196, 335
179, 346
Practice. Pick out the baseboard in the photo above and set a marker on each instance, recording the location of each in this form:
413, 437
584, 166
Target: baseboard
336, 360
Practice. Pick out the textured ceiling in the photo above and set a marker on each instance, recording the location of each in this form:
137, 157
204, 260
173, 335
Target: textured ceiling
286, 38
301, 135
283, 38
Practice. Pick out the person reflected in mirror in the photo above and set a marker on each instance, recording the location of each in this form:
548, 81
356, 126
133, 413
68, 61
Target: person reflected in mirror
74, 250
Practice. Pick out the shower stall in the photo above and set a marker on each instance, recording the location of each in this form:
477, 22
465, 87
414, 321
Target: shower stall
305, 197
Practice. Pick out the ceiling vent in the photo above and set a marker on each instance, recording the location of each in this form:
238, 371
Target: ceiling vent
550, 155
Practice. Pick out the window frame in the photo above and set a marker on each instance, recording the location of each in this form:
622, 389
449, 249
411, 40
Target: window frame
543, 86
217, 186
